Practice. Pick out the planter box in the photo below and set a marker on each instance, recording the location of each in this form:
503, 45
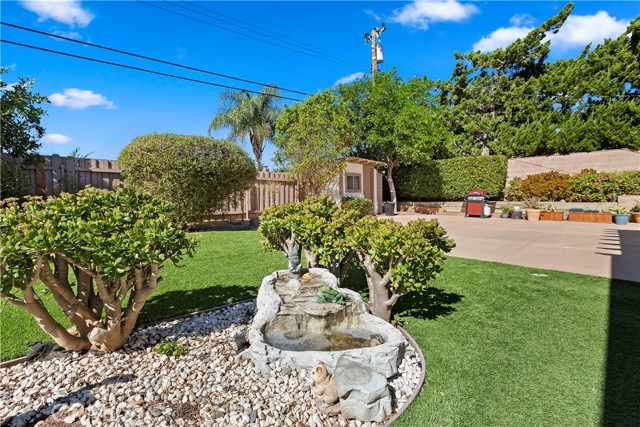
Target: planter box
603, 217
551, 216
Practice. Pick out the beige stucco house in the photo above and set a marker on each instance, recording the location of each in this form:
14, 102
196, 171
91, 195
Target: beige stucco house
360, 179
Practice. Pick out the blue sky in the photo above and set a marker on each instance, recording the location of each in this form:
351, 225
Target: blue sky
101, 108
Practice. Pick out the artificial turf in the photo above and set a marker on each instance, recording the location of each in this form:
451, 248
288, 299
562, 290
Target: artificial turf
505, 345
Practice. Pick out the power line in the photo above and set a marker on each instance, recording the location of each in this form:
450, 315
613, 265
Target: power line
266, 32
86, 58
149, 58
245, 35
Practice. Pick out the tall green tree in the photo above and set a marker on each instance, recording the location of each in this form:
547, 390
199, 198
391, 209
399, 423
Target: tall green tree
313, 140
596, 97
493, 94
21, 114
394, 121
249, 116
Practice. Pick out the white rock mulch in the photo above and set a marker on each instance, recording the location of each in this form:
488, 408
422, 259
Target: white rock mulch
207, 386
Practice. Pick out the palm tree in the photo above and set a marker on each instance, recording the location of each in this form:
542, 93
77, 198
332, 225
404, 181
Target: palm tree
252, 115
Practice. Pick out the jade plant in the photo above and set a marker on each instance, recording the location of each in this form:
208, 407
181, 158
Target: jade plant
113, 245
397, 258
317, 225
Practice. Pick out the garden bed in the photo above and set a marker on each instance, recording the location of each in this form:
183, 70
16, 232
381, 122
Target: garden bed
208, 385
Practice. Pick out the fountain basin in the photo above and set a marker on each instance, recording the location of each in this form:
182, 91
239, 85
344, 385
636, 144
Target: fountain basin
292, 327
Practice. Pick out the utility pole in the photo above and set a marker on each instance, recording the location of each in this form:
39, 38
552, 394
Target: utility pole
375, 44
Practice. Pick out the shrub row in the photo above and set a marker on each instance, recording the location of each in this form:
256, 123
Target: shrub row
587, 186
451, 179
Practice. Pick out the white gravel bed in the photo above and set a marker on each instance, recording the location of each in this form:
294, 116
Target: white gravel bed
207, 386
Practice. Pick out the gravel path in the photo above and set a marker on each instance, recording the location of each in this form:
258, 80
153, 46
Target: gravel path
207, 386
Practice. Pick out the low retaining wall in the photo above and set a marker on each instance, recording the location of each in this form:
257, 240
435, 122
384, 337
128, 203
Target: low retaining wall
459, 208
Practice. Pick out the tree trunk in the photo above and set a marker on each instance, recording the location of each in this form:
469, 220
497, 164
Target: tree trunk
392, 187
378, 290
256, 146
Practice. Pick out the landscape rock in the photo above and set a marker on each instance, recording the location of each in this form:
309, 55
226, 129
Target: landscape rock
364, 393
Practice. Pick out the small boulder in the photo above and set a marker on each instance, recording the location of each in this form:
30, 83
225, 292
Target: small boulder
364, 394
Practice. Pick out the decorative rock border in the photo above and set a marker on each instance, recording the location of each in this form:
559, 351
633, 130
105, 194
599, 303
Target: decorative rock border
168, 408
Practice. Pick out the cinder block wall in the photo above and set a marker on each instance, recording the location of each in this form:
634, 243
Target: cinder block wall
602, 161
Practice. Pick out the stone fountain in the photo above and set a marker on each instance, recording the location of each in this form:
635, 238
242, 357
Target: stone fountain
360, 350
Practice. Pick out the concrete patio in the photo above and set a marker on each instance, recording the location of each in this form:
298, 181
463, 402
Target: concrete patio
606, 250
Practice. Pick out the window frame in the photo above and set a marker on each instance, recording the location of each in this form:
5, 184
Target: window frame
346, 182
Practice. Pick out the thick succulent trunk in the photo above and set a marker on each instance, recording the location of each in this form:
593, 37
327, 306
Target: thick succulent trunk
86, 309
380, 304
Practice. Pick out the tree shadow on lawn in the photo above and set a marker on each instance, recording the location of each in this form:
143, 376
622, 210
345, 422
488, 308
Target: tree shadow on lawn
175, 303
428, 304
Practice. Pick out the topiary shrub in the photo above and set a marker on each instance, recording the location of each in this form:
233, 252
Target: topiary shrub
552, 186
195, 175
590, 186
362, 205
114, 244
397, 258
451, 179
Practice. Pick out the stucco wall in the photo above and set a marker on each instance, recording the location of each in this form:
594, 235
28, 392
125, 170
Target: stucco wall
602, 161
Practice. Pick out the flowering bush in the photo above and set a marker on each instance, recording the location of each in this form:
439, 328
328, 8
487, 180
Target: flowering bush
590, 186
550, 186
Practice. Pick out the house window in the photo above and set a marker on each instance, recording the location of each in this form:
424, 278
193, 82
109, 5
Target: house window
353, 183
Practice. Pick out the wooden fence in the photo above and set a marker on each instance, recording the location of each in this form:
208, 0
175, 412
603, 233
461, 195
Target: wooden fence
57, 174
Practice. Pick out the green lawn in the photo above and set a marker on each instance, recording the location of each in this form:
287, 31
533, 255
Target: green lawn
503, 347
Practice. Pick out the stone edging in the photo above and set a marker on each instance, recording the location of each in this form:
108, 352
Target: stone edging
409, 338
418, 388
13, 362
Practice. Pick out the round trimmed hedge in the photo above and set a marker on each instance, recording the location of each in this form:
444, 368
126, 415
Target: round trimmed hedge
195, 175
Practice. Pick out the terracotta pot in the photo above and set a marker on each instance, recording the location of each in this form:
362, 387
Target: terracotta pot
635, 216
533, 214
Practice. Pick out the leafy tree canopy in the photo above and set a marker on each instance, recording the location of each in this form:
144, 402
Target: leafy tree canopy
313, 140
21, 113
394, 121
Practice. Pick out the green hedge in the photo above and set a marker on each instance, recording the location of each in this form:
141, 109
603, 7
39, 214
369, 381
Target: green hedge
451, 179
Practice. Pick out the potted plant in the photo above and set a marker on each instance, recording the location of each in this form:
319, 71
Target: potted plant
635, 211
620, 215
549, 213
506, 211
532, 204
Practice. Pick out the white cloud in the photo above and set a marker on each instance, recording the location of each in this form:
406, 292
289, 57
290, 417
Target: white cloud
56, 138
502, 37
68, 12
420, 14
348, 79
68, 34
78, 99
577, 32
523, 19
374, 15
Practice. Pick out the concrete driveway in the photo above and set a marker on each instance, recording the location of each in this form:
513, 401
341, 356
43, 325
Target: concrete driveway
606, 250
